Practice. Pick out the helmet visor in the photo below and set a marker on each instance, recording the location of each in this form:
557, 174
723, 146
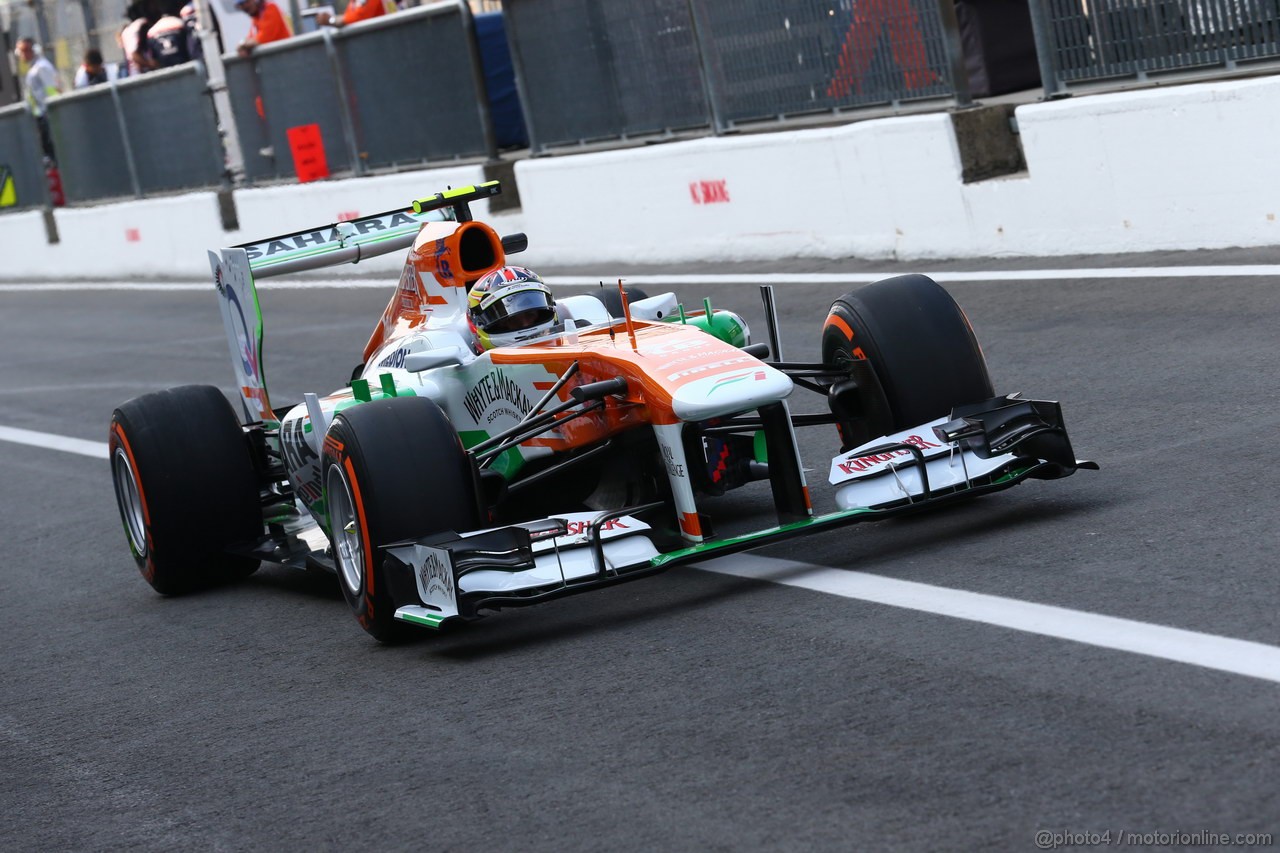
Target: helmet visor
518, 311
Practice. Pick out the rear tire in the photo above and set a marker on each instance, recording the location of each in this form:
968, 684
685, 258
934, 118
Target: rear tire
394, 470
919, 343
186, 486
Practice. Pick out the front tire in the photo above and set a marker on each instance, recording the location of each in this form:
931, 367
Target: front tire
918, 342
394, 470
186, 486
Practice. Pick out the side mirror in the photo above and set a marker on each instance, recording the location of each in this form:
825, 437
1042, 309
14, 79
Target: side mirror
513, 243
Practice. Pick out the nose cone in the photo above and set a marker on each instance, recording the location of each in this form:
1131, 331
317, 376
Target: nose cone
733, 390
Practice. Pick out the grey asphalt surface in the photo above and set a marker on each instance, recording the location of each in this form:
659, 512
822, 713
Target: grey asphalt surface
690, 711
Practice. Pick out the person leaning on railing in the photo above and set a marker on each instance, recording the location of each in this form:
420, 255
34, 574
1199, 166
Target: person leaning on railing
268, 24
357, 10
167, 41
133, 39
91, 71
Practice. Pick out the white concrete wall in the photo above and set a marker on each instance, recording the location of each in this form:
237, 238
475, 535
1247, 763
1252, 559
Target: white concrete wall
167, 237
1176, 168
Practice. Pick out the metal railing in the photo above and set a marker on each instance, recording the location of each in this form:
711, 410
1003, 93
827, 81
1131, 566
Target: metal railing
145, 135
612, 69
1086, 40
407, 90
401, 90
21, 161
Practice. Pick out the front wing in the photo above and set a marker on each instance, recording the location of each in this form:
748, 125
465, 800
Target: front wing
979, 450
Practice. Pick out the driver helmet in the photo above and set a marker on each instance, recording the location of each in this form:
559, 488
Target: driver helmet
508, 306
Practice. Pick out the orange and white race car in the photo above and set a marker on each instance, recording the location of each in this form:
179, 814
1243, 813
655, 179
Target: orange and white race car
448, 479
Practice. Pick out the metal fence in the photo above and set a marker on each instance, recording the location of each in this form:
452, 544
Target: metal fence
144, 135
21, 172
1080, 40
407, 89
604, 69
401, 90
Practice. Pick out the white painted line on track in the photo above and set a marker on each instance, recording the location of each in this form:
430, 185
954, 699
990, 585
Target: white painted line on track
1241, 657
1233, 271
667, 279
50, 441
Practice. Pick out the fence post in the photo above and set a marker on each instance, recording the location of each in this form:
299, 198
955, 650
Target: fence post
955, 53
216, 80
344, 102
704, 62
124, 138
1043, 33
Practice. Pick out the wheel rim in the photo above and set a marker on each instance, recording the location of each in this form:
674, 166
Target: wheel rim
130, 498
344, 530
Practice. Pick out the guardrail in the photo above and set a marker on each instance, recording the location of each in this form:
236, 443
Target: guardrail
22, 180
1089, 40
137, 137
401, 90
593, 70
407, 90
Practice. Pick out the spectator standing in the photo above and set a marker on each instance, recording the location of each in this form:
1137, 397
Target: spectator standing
133, 40
191, 20
91, 70
357, 10
268, 24
167, 42
41, 81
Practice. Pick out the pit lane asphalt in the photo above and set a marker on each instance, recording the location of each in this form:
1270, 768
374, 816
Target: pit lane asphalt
690, 710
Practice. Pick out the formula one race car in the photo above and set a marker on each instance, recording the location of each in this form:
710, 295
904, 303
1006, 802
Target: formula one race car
447, 480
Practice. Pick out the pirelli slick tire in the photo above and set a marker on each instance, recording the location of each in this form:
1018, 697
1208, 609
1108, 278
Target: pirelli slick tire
394, 470
187, 487
918, 342
612, 300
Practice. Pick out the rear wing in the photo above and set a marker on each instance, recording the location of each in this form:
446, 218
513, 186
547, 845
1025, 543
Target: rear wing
352, 241
235, 269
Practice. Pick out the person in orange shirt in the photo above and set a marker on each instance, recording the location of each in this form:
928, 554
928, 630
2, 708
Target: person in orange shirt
357, 10
268, 24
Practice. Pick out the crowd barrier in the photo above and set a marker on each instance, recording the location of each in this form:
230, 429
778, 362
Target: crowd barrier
614, 69
137, 137
22, 180
409, 89
1090, 40
399, 91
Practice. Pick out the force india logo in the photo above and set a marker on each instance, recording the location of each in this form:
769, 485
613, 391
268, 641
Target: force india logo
491, 390
860, 464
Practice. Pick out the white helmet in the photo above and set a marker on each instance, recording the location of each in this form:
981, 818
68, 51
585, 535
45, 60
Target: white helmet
510, 305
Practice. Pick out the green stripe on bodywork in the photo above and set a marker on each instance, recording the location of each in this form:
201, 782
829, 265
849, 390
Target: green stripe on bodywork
431, 621
709, 549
